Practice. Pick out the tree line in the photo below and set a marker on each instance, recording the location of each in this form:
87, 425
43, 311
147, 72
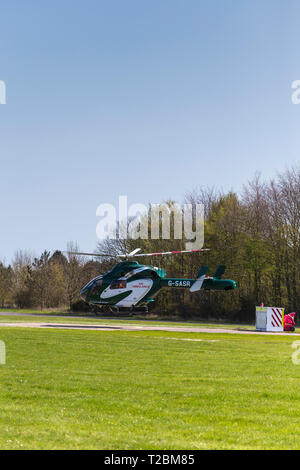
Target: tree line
256, 234
52, 280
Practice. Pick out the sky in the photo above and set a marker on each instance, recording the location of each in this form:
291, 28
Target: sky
147, 99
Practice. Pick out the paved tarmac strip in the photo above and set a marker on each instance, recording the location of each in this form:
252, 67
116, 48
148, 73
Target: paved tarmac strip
72, 326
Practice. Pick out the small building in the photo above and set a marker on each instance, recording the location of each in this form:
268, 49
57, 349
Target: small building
269, 318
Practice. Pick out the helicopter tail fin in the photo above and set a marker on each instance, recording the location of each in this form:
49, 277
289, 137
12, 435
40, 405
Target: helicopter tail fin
220, 271
203, 270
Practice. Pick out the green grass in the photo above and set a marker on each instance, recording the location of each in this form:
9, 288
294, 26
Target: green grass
53, 311
67, 389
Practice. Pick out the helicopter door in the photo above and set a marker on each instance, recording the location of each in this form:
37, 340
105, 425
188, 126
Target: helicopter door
139, 289
116, 287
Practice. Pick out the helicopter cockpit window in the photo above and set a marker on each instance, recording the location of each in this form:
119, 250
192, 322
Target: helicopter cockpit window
118, 284
95, 286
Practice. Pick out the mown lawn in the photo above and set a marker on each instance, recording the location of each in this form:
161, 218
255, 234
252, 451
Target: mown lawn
147, 390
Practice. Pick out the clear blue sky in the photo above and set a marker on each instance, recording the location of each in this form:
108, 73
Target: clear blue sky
144, 98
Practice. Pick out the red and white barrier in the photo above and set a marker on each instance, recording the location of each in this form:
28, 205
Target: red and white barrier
269, 318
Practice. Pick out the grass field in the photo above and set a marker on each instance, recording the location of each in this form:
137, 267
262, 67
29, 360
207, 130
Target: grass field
71, 389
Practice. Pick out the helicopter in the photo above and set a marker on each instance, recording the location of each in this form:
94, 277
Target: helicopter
130, 284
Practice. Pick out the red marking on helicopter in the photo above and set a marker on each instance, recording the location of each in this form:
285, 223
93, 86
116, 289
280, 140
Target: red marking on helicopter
140, 285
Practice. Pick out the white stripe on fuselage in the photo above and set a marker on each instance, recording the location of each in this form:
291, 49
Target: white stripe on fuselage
139, 289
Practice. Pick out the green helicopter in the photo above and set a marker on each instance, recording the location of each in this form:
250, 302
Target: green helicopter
130, 284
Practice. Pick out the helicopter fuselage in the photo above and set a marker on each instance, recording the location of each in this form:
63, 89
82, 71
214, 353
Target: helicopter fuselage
130, 284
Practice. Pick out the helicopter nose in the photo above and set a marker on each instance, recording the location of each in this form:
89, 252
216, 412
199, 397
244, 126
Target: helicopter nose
84, 292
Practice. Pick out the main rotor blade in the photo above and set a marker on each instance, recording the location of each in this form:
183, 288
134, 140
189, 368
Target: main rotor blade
88, 254
134, 252
168, 252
